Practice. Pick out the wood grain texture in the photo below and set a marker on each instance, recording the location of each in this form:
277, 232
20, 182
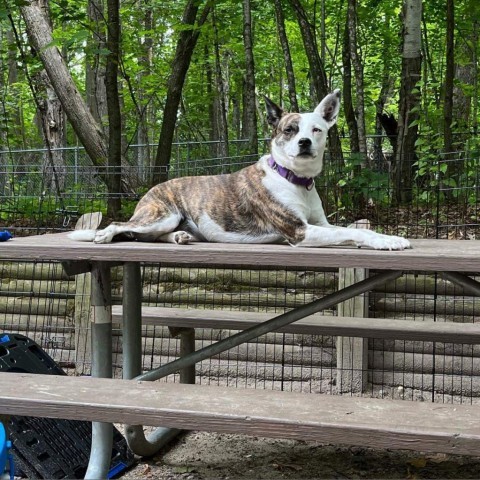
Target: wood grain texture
426, 255
324, 418
468, 333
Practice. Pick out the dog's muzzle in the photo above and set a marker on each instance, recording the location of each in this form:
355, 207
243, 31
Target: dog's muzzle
305, 146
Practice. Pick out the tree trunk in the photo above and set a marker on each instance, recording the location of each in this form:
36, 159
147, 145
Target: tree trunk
409, 99
358, 68
318, 75
183, 54
114, 172
144, 112
249, 94
16, 124
381, 164
84, 124
95, 64
449, 76
52, 126
51, 117
219, 117
347, 91
282, 34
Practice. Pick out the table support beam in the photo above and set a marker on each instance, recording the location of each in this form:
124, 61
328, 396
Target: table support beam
470, 286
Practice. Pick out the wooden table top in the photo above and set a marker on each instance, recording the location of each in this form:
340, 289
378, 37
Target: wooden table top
426, 254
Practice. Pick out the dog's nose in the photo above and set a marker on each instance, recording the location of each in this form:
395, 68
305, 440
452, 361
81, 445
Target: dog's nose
304, 142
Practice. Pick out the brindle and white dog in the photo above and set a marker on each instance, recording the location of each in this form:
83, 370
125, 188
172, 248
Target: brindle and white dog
270, 201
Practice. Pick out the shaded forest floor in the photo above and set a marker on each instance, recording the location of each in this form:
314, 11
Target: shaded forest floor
201, 455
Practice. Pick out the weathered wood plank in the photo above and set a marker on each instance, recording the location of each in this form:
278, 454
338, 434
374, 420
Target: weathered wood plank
352, 352
323, 418
468, 333
428, 255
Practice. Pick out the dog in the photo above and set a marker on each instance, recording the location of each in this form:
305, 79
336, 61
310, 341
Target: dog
271, 201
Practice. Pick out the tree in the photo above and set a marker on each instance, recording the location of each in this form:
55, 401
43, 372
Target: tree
282, 35
249, 94
96, 96
219, 105
449, 76
356, 62
409, 101
347, 100
87, 129
183, 54
114, 172
318, 74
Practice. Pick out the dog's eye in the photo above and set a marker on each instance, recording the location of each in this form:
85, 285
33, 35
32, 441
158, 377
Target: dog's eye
317, 130
288, 130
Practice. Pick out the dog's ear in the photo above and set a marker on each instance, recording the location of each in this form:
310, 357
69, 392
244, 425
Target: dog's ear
274, 112
329, 107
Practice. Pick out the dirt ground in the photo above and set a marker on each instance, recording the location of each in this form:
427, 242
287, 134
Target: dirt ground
201, 455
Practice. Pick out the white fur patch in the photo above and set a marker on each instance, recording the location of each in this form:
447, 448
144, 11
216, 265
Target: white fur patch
82, 235
215, 233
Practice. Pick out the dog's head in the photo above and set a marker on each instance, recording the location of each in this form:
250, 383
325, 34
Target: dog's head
299, 139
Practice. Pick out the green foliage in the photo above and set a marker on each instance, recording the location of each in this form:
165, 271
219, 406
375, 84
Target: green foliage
151, 28
359, 183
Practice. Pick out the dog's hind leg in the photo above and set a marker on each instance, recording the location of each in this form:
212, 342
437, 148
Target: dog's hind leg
179, 237
144, 229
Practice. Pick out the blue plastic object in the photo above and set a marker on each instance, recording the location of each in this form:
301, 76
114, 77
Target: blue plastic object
3, 448
5, 235
5, 455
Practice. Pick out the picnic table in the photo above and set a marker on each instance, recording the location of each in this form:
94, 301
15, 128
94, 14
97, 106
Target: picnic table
136, 400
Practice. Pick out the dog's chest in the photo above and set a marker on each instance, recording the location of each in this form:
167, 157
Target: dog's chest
295, 198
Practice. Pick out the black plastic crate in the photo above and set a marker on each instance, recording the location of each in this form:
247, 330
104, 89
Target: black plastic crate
46, 448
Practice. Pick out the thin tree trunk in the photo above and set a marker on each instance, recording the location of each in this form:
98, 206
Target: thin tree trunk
16, 124
380, 161
183, 54
449, 76
318, 75
282, 34
409, 99
146, 61
114, 172
53, 130
95, 65
220, 103
358, 68
347, 91
249, 94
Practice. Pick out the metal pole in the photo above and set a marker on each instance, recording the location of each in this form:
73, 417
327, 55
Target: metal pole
470, 286
271, 325
132, 360
102, 433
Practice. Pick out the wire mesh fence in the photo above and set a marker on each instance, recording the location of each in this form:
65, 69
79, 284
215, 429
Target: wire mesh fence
38, 299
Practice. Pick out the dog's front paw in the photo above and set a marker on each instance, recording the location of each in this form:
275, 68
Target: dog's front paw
103, 236
387, 242
181, 238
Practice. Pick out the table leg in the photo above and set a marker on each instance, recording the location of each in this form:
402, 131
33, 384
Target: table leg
132, 360
102, 433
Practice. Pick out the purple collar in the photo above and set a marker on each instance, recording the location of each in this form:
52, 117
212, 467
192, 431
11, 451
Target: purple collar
308, 183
